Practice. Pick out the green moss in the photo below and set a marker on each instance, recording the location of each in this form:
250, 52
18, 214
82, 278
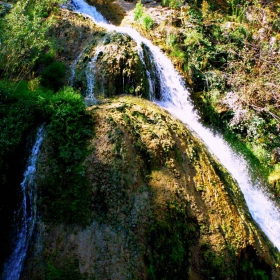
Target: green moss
250, 266
214, 266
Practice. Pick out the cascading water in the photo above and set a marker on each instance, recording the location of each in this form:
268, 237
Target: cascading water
175, 98
14, 266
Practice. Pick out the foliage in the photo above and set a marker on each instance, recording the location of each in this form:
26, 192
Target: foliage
147, 21
228, 51
214, 265
64, 192
23, 36
18, 113
138, 11
252, 267
69, 271
142, 17
172, 3
53, 75
68, 113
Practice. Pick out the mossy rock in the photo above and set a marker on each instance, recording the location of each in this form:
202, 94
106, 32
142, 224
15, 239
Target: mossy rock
113, 67
161, 206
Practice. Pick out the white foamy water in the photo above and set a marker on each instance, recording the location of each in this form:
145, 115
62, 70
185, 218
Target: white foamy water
14, 266
175, 98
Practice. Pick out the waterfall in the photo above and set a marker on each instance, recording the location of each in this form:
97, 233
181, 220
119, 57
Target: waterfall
14, 266
174, 97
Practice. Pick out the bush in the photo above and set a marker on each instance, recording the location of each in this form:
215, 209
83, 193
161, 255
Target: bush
138, 11
65, 193
53, 76
147, 21
175, 4
23, 36
143, 18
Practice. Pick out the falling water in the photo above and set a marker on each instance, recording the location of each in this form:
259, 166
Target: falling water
90, 74
14, 266
175, 98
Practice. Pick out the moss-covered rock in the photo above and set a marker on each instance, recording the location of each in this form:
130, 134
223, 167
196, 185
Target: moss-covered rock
99, 63
111, 67
161, 207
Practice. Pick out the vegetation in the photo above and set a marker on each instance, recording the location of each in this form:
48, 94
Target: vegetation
142, 17
23, 36
67, 271
28, 52
170, 241
224, 59
19, 112
65, 193
68, 128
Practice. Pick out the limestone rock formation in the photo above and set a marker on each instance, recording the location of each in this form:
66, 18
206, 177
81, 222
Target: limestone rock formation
161, 207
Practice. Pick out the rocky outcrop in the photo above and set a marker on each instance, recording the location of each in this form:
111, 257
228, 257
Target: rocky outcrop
100, 63
113, 67
161, 208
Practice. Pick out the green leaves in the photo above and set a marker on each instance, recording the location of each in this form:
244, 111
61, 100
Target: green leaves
65, 192
23, 36
66, 127
138, 11
53, 75
142, 17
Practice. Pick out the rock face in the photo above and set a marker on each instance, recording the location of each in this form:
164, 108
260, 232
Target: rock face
161, 208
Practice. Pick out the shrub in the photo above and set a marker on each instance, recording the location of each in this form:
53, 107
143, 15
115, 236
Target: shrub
23, 36
143, 18
147, 21
138, 11
53, 76
65, 192
175, 4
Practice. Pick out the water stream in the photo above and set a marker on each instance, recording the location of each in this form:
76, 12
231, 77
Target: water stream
175, 98
90, 98
14, 266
